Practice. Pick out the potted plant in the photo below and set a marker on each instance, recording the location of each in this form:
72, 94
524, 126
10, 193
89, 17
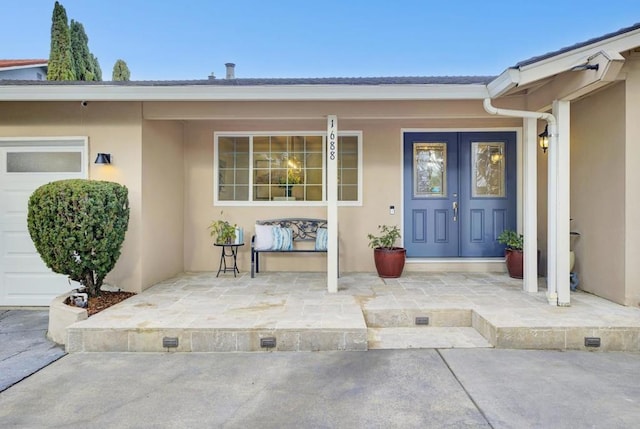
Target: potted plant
389, 259
222, 231
293, 177
514, 243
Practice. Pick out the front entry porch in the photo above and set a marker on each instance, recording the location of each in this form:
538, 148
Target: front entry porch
227, 314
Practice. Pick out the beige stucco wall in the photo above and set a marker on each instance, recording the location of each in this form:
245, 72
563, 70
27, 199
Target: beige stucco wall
382, 172
162, 235
598, 191
111, 127
632, 181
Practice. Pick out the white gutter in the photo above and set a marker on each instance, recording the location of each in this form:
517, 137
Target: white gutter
551, 120
419, 92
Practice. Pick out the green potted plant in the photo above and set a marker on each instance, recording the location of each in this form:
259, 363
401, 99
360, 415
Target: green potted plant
388, 258
514, 243
293, 177
222, 231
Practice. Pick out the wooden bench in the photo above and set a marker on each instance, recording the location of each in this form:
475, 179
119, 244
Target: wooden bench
302, 229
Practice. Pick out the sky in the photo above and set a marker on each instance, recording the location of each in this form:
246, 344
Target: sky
190, 39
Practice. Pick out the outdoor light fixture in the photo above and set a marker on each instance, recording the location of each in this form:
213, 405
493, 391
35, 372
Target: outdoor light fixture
103, 158
543, 139
496, 156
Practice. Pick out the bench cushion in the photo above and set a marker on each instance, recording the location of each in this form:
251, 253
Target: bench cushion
321, 239
282, 239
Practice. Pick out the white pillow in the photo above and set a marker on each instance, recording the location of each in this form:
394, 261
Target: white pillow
264, 237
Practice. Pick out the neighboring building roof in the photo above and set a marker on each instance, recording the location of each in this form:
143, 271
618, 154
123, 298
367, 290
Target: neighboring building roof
10, 64
576, 46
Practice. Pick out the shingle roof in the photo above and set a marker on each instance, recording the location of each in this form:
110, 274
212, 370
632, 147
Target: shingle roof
400, 80
20, 63
576, 46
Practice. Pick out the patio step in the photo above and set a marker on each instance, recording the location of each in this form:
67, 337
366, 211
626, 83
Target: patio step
425, 337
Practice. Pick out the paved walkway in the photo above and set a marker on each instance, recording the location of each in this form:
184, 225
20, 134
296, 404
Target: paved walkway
230, 314
470, 388
24, 348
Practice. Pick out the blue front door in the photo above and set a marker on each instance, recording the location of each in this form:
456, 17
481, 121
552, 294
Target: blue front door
459, 193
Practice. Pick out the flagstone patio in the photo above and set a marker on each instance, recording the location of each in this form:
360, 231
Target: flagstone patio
233, 314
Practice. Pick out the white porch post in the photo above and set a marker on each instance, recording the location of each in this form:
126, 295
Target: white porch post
332, 203
552, 202
530, 211
561, 110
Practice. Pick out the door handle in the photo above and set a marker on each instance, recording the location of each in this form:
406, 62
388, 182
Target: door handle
455, 211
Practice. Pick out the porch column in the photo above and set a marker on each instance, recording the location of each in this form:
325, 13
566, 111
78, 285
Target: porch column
552, 202
332, 203
530, 211
561, 110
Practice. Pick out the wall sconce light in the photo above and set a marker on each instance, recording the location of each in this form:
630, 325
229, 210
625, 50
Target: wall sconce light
103, 158
495, 156
543, 139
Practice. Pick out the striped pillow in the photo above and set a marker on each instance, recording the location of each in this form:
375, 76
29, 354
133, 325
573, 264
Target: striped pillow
282, 238
321, 239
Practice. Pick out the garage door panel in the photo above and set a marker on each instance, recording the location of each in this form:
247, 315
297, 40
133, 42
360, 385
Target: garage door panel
24, 277
18, 243
33, 289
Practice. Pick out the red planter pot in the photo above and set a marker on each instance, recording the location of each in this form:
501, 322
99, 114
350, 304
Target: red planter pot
514, 263
389, 262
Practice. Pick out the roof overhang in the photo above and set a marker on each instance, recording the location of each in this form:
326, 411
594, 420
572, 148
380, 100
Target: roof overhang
531, 74
241, 93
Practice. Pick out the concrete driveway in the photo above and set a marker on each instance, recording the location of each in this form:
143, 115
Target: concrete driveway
471, 388
24, 348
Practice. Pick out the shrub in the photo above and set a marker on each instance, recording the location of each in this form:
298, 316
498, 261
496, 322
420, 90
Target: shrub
78, 227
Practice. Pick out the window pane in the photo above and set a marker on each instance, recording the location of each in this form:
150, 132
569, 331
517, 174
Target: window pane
488, 170
283, 168
347, 168
314, 144
44, 162
429, 170
233, 168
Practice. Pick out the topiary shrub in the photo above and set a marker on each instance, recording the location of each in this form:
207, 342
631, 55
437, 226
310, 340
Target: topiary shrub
78, 227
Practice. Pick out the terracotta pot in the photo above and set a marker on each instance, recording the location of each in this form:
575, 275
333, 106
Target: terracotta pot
514, 262
389, 262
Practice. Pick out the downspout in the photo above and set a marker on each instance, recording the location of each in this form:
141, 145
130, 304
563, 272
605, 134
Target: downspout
552, 287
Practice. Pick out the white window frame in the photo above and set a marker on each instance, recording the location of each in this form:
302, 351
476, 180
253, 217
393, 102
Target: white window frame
46, 144
251, 202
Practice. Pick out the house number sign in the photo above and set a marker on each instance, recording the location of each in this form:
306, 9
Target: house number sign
332, 134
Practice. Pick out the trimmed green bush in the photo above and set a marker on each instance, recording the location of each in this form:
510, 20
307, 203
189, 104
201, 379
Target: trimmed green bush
78, 227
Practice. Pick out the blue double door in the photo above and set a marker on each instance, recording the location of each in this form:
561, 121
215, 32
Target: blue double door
459, 193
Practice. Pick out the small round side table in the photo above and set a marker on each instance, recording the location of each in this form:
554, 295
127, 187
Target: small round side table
228, 251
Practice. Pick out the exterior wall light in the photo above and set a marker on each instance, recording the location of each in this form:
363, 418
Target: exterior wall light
103, 158
543, 139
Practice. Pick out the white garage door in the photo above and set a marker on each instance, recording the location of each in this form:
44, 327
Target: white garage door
26, 164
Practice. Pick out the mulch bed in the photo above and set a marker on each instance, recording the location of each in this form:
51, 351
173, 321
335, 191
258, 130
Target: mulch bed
105, 300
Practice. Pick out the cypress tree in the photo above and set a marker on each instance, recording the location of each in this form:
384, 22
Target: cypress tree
120, 71
95, 68
80, 51
60, 60
86, 64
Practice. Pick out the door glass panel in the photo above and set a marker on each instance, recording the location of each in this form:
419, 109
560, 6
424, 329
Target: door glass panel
487, 170
44, 162
429, 170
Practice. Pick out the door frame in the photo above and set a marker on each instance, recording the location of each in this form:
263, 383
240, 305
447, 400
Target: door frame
519, 179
